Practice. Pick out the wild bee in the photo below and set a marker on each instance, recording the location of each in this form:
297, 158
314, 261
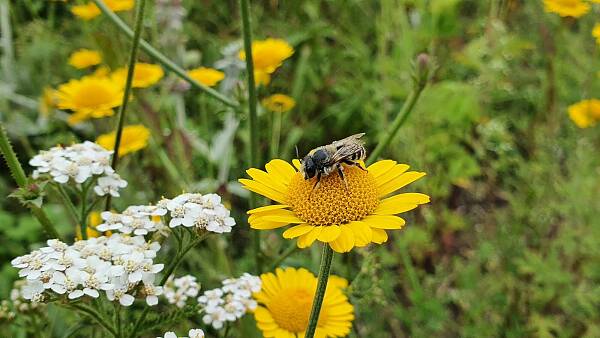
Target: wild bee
324, 160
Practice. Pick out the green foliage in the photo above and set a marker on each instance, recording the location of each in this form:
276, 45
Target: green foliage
508, 246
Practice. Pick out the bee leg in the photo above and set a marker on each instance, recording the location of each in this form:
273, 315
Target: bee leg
317, 183
342, 175
355, 164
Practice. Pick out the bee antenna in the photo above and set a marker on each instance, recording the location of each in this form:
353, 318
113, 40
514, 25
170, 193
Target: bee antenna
297, 156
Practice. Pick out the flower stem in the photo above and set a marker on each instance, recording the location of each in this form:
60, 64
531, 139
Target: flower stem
66, 200
320, 294
170, 269
276, 134
139, 21
161, 58
95, 316
252, 115
398, 122
19, 176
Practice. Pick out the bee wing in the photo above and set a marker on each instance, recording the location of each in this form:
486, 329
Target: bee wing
347, 151
350, 139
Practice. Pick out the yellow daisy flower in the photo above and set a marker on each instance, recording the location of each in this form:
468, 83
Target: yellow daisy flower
84, 58
134, 138
596, 32
144, 75
269, 54
573, 8
206, 76
89, 97
585, 113
344, 217
285, 301
89, 10
279, 103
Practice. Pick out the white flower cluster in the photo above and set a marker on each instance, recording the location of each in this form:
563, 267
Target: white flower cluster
19, 302
117, 265
231, 301
136, 219
199, 211
193, 333
178, 290
79, 163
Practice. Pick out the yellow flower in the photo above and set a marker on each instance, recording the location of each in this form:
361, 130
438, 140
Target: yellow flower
261, 78
94, 220
85, 58
279, 103
596, 32
573, 8
585, 113
269, 54
342, 216
47, 101
89, 97
144, 75
89, 10
206, 76
285, 301
134, 138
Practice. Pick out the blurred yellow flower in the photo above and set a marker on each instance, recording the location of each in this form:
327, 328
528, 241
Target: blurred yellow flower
279, 103
269, 54
342, 214
596, 32
573, 8
47, 101
134, 138
94, 220
206, 76
285, 302
102, 71
144, 75
585, 113
84, 58
89, 10
261, 78
89, 97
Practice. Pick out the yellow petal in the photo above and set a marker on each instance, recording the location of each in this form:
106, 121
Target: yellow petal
261, 189
329, 233
286, 219
267, 208
399, 182
282, 168
379, 236
297, 231
261, 224
263, 315
362, 233
400, 203
296, 163
268, 180
380, 167
345, 241
307, 239
391, 174
384, 222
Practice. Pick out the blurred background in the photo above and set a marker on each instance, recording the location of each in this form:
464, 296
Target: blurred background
509, 245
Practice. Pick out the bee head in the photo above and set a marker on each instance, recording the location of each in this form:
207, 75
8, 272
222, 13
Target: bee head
309, 169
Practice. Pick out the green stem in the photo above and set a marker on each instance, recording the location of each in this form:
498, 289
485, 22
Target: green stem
95, 316
139, 21
62, 193
398, 122
320, 294
118, 320
161, 58
84, 209
410, 270
18, 175
170, 269
276, 134
252, 115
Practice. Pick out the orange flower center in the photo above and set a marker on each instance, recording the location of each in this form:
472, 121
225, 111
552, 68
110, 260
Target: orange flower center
291, 309
333, 202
